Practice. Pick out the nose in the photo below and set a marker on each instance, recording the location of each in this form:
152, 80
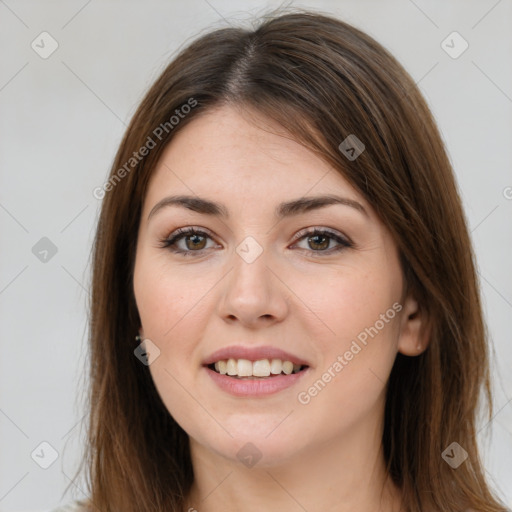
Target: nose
253, 293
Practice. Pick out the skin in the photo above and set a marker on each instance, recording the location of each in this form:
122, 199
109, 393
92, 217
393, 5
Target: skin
323, 455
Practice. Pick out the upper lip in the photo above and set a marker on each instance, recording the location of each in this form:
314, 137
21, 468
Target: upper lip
252, 354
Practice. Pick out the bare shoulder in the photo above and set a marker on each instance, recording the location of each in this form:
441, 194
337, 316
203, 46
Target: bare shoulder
75, 506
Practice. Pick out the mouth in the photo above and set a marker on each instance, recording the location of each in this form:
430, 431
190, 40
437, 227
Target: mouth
245, 369
255, 371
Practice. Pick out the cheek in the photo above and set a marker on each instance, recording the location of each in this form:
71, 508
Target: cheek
169, 305
174, 308
348, 302
166, 299
360, 312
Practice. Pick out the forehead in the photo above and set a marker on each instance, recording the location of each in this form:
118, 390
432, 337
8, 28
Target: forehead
224, 153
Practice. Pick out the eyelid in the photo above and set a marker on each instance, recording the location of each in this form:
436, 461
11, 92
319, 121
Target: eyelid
312, 229
180, 233
343, 241
190, 230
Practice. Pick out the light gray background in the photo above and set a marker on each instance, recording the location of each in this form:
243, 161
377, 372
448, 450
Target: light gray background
62, 119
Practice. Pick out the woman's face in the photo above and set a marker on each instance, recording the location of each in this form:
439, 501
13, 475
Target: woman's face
255, 281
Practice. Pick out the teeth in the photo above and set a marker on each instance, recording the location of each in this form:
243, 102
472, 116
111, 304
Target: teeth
223, 367
260, 368
244, 368
287, 367
231, 367
276, 367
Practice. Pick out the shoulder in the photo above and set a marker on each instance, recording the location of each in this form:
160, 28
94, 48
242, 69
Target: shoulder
75, 506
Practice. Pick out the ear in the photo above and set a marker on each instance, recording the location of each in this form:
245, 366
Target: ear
414, 329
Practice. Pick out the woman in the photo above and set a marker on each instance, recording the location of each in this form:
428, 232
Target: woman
285, 313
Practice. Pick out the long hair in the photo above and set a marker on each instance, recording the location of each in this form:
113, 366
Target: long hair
322, 80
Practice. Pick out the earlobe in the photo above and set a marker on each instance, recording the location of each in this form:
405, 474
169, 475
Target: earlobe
413, 337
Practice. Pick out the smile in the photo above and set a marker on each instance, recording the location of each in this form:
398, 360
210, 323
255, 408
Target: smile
244, 368
251, 386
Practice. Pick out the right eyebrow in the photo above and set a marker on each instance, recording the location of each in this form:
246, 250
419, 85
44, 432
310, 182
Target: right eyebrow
285, 209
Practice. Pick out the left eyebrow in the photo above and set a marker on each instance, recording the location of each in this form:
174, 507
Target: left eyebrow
286, 209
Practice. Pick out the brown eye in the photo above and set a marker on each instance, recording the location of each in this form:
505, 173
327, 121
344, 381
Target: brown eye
322, 245
319, 240
195, 241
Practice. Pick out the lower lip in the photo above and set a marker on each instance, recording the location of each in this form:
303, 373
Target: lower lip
254, 387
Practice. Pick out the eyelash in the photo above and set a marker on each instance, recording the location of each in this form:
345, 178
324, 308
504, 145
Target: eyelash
170, 243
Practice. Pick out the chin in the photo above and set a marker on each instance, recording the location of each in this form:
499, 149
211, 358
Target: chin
254, 448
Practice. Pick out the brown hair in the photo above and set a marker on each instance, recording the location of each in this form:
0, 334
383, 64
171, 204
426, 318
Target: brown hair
322, 80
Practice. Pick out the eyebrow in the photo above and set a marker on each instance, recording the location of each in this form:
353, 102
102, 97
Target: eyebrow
286, 209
